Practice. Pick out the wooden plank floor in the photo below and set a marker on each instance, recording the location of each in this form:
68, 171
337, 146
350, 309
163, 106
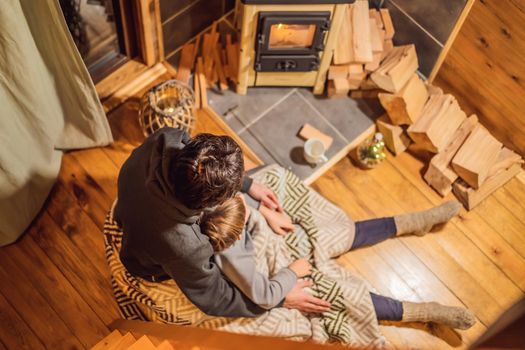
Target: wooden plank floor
55, 292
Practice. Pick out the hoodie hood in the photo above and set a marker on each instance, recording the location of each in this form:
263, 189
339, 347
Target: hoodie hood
166, 143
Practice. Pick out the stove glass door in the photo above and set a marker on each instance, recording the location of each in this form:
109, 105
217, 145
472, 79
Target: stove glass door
291, 36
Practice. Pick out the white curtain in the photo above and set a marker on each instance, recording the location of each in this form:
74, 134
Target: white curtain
48, 103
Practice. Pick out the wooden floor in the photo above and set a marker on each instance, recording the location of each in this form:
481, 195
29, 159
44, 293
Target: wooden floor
54, 290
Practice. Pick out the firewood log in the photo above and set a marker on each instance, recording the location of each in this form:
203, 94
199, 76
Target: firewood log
361, 40
223, 84
184, 69
471, 197
395, 138
438, 122
202, 83
355, 80
355, 68
439, 174
396, 69
338, 72
232, 53
338, 88
405, 107
376, 37
376, 15
343, 51
506, 159
376, 61
387, 24
476, 156
388, 45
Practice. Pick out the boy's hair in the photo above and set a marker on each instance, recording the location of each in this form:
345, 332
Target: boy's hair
207, 171
225, 223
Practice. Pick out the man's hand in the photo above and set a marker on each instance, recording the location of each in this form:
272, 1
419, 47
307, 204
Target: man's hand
279, 222
300, 300
265, 196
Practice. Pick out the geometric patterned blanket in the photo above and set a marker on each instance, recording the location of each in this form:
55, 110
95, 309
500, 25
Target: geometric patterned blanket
323, 232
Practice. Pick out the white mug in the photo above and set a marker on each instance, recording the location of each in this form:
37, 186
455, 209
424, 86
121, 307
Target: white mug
314, 150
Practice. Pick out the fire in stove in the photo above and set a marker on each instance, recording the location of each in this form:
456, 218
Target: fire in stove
290, 41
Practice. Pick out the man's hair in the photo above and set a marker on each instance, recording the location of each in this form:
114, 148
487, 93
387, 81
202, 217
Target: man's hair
207, 171
224, 224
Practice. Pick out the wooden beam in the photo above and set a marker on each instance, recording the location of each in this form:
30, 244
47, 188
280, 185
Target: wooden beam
147, 31
451, 38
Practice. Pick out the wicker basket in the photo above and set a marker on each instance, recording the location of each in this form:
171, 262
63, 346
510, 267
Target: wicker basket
171, 104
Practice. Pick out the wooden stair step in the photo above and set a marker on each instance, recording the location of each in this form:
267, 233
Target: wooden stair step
110, 340
125, 342
165, 345
144, 343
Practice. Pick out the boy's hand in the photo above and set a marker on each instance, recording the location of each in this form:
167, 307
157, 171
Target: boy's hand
265, 196
301, 267
279, 222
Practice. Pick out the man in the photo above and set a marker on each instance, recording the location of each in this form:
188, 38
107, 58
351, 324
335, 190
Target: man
163, 188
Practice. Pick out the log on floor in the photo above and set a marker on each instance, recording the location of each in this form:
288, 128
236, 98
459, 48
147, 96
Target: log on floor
476, 156
471, 197
439, 175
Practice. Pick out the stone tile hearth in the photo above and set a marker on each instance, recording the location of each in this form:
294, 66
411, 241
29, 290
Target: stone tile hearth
269, 119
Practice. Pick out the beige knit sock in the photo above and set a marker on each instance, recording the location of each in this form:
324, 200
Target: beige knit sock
422, 222
451, 316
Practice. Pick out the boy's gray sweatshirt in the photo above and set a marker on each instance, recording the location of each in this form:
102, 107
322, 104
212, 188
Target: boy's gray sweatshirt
238, 265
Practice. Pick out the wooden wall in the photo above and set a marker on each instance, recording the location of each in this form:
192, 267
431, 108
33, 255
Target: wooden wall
427, 24
485, 69
183, 19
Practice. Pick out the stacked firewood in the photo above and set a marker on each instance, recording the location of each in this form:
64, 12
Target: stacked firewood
468, 160
212, 59
365, 40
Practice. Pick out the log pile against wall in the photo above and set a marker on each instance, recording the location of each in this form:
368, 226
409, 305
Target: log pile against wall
467, 159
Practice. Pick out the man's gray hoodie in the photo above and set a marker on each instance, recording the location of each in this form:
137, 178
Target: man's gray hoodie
162, 238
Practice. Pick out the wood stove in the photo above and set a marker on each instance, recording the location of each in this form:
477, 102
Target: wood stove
287, 43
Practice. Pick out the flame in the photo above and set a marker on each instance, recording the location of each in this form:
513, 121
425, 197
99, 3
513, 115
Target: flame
280, 26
